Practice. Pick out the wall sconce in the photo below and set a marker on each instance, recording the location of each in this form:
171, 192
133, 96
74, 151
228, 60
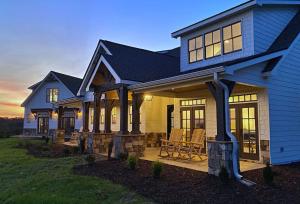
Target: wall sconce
34, 115
148, 98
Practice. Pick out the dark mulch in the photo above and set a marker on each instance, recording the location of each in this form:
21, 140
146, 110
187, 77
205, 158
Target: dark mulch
47, 150
179, 185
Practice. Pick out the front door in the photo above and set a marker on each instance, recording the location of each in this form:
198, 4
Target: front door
43, 125
192, 118
69, 125
244, 125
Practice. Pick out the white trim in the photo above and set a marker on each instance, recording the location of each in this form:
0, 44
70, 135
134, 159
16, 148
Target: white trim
213, 19
105, 48
175, 79
110, 69
262, 2
129, 82
231, 69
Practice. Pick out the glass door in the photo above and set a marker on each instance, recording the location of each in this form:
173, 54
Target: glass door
244, 124
186, 123
43, 125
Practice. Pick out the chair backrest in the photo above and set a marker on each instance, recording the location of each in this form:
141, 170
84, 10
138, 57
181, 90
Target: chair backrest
176, 134
198, 136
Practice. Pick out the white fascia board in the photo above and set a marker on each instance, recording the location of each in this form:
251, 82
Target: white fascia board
109, 67
213, 19
262, 2
175, 79
105, 48
231, 69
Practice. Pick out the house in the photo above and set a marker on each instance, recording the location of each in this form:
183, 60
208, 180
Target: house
234, 74
40, 115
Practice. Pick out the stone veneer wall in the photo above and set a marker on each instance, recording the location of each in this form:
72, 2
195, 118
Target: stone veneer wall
219, 155
59, 137
131, 144
153, 139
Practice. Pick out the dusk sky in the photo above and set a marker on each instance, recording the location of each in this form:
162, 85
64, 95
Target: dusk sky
38, 36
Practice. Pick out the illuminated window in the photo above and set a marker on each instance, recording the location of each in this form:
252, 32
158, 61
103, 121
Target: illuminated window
130, 114
114, 115
243, 98
102, 116
193, 102
52, 95
213, 44
196, 49
92, 117
232, 38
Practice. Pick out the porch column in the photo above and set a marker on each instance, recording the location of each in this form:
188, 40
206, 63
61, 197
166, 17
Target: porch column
137, 100
97, 99
123, 97
59, 117
86, 110
108, 104
219, 94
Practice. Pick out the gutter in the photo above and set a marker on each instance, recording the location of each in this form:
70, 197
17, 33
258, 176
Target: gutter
176, 79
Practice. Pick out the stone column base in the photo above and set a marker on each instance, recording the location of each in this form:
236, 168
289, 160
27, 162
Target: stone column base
219, 155
131, 144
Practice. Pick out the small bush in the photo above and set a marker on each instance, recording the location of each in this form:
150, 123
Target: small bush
131, 162
90, 158
223, 175
76, 150
123, 156
47, 140
66, 151
157, 168
268, 174
82, 145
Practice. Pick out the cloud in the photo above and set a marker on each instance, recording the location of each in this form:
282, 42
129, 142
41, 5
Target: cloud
9, 104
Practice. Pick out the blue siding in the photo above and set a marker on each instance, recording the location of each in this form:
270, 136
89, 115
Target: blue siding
248, 47
284, 94
268, 23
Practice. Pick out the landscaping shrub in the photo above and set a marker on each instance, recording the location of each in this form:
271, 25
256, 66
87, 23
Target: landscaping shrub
123, 156
82, 145
156, 169
76, 150
268, 174
47, 140
66, 151
131, 162
223, 175
90, 158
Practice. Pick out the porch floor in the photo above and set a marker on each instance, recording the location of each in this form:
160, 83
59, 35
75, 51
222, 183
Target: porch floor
151, 154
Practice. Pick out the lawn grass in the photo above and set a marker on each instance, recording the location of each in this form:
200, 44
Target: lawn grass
26, 179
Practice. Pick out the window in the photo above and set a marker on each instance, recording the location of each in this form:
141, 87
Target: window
193, 102
243, 98
52, 95
213, 44
196, 49
130, 114
114, 115
92, 116
102, 116
232, 38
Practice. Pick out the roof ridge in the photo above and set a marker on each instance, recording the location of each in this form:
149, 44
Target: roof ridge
65, 75
142, 49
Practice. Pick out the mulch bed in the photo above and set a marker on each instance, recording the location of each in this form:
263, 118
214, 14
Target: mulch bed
179, 185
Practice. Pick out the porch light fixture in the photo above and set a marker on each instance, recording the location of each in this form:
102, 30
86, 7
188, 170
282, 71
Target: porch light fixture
148, 98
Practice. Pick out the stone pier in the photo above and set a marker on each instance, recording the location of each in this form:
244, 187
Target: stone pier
219, 155
131, 144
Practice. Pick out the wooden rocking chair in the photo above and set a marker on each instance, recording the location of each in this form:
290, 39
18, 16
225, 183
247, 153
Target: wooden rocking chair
171, 145
195, 146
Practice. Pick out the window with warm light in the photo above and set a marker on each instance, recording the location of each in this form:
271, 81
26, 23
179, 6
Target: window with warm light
232, 38
130, 115
52, 95
114, 115
92, 117
196, 49
102, 116
213, 44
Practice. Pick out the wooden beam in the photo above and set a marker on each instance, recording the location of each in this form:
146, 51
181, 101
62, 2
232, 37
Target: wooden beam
85, 116
97, 99
108, 106
123, 97
137, 100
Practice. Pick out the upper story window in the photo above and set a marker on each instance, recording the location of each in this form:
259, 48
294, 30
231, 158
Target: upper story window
213, 44
114, 115
196, 49
232, 38
52, 95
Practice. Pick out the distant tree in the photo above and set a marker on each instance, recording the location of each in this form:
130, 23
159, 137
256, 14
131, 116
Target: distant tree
11, 126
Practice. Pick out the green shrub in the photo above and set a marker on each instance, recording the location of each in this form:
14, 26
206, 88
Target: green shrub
268, 174
76, 150
66, 151
90, 158
123, 156
223, 175
131, 162
47, 140
157, 168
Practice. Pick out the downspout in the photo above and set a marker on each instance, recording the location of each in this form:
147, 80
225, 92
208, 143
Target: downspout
235, 151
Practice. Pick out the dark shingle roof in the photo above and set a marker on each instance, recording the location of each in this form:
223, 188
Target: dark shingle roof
141, 65
72, 83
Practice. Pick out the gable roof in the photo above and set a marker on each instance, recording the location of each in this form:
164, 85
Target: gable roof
70, 82
136, 64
